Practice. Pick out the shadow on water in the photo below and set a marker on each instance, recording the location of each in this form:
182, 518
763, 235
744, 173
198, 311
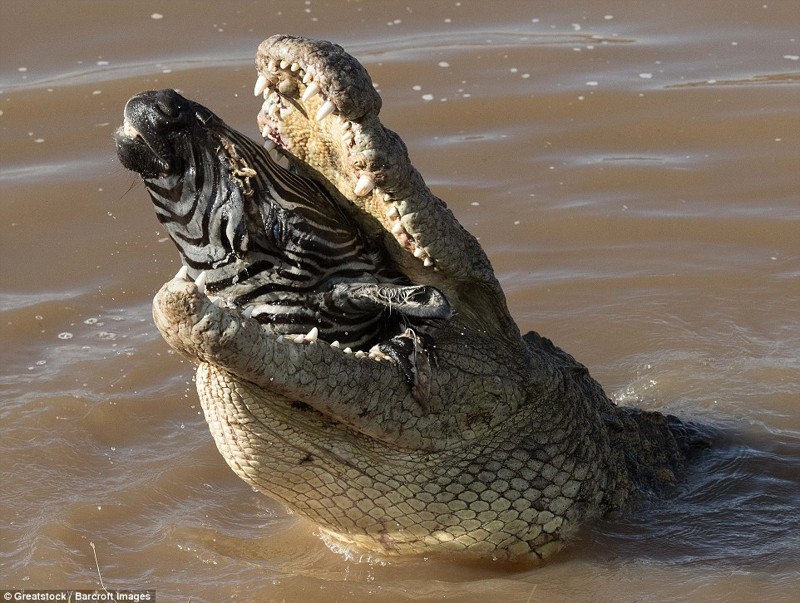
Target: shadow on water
738, 510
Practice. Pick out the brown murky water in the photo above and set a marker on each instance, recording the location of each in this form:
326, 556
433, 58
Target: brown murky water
633, 170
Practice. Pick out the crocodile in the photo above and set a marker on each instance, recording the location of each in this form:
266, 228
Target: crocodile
356, 358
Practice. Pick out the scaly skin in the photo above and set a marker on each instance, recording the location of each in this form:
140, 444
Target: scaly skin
511, 443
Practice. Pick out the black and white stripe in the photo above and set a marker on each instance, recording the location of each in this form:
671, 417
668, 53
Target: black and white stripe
270, 239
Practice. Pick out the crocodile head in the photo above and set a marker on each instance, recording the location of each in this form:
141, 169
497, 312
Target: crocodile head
263, 240
356, 358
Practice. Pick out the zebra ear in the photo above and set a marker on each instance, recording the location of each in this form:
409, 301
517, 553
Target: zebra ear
418, 301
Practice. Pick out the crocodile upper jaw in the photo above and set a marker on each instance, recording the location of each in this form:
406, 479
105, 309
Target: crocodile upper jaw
321, 110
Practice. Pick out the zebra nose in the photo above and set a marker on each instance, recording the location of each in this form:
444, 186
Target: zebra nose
168, 103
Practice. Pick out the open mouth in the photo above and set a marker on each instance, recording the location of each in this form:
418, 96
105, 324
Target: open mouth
321, 111
347, 248
324, 252
356, 357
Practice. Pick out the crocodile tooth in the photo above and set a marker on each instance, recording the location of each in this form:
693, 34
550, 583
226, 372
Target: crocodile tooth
311, 336
326, 109
360, 354
200, 281
261, 85
265, 131
347, 124
248, 311
427, 262
307, 77
312, 90
279, 339
299, 338
364, 185
397, 228
419, 252
284, 64
348, 351
348, 137
294, 66
272, 66
336, 344
392, 212
378, 356
182, 273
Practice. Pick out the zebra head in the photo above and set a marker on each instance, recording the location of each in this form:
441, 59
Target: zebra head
263, 239
190, 166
